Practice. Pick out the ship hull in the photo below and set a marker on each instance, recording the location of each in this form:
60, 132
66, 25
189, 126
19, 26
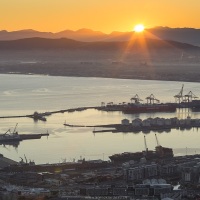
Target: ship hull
149, 108
159, 153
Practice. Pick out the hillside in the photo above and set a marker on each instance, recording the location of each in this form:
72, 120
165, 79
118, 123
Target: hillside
138, 44
183, 35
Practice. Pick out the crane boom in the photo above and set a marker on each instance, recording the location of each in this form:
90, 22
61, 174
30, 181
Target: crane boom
15, 128
145, 144
158, 144
179, 96
25, 158
181, 92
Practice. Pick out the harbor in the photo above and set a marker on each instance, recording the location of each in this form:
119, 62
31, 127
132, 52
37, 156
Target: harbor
61, 97
88, 141
153, 105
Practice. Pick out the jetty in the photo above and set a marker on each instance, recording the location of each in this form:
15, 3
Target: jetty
42, 116
150, 124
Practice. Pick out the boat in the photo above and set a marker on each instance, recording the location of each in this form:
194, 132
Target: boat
143, 108
9, 136
135, 106
159, 153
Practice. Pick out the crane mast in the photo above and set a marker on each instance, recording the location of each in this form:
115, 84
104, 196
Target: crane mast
145, 144
158, 144
15, 128
152, 99
136, 99
179, 96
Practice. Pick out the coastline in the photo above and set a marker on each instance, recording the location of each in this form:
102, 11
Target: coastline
180, 74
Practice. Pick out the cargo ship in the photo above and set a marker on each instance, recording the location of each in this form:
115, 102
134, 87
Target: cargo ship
152, 105
159, 153
143, 108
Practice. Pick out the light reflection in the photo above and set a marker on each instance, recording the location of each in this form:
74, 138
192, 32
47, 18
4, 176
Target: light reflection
70, 143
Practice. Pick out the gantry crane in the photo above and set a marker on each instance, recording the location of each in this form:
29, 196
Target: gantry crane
179, 96
189, 97
136, 99
151, 99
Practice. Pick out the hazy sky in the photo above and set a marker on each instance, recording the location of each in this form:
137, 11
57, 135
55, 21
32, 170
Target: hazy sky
102, 15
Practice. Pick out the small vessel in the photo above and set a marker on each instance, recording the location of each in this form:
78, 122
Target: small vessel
9, 137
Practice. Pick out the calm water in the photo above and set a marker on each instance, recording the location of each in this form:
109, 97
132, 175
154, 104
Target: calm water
24, 94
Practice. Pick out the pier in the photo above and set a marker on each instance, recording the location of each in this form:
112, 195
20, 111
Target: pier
151, 124
41, 116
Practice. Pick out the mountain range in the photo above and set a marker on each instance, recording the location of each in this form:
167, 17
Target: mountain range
136, 45
183, 35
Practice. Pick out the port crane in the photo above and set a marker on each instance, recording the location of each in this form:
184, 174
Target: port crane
152, 99
179, 96
189, 97
158, 144
15, 129
136, 99
8, 132
145, 144
102, 104
110, 104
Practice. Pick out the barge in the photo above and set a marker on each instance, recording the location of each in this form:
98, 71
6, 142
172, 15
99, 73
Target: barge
9, 137
159, 153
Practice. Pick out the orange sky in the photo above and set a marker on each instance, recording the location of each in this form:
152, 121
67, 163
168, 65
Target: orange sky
102, 15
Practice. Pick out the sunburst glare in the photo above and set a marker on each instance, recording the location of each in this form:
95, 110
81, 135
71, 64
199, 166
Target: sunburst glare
139, 28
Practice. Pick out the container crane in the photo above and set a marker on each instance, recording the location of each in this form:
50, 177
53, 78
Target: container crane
151, 99
189, 97
179, 96
136, 99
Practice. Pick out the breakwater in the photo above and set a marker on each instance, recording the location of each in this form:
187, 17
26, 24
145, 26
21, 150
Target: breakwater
146, 125
41, 116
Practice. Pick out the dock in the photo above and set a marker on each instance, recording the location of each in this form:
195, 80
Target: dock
41, 116
15, 138
146, 125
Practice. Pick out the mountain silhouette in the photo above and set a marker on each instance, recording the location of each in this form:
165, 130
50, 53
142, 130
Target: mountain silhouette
69, 44
183, 35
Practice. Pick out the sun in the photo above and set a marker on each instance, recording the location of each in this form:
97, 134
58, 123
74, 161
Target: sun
139, 28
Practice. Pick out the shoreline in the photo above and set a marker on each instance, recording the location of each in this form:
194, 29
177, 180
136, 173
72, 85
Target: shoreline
106, 77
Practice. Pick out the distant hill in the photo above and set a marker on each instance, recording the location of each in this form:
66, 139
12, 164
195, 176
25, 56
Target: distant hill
69, 44
183, 35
